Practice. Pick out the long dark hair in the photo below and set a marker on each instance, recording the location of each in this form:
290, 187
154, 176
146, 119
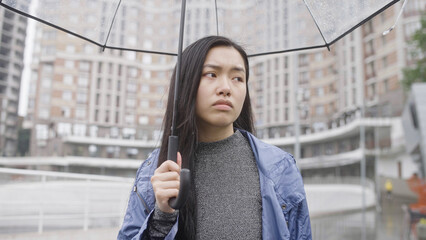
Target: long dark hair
193, 58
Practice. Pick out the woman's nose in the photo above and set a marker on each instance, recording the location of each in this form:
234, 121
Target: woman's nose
224, 88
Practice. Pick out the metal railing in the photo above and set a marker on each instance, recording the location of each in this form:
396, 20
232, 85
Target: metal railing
37, 201
339, 180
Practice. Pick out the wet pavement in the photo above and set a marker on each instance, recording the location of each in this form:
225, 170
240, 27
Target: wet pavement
387, 224
392, 223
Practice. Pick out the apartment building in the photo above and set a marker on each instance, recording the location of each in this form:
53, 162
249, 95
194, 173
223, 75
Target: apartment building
12, 32
334, 95
88, 102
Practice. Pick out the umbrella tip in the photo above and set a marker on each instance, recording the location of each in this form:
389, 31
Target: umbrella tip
387, 31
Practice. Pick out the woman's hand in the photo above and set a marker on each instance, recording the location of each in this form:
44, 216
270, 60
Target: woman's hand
165, 182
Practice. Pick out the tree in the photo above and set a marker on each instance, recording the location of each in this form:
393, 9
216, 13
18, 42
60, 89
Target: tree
418, 72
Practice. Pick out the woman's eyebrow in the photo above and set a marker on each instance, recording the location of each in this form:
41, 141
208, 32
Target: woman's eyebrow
217, 67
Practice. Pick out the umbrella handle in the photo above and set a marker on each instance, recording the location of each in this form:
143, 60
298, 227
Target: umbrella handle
185, 176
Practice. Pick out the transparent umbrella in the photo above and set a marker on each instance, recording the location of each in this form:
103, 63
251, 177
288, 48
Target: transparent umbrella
261, 26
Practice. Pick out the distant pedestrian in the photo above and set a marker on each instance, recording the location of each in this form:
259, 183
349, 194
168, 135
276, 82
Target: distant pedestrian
389, 188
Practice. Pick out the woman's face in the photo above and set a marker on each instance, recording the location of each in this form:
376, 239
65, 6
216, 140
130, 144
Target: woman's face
222, 90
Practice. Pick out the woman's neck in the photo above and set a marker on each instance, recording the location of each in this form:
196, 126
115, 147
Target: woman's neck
214, 134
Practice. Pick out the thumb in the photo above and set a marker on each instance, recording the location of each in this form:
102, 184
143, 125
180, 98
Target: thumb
179, 159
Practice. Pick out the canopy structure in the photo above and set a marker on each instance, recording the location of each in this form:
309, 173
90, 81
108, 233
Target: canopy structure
263, 27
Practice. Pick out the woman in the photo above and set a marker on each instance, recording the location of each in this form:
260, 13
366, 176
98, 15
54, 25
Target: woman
242, 188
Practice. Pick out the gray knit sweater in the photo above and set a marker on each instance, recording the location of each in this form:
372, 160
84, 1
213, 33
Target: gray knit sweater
229, 204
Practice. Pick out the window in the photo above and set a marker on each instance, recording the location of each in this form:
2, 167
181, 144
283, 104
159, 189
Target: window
80, 113
370, 47
81, 97
106, 116
117, 117
93, 130
42, 132
147, 59
132, 72
286, 114
320, 91
117, 101
385, 62
370, 69
68, 79
64, 129
108, 100
318, 56
147, 74
159, 104
67, 95
130, 119
130, 102
144, 103
43, 113
109, 83
65, 112
83, 81
45, 99
372, 90
145, 88
160, 89
143, 120
318, 74
319, 110
386, 85
88, 49
79, 129
131, 87
46, 82
84, 66
147, 44
69, 64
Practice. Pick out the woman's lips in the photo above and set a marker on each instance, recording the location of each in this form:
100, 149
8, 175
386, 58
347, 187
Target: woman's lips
222, 105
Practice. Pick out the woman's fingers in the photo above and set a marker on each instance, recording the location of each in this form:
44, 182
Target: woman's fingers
166, 182
165, 176
168, 166
179, 159
163, 196
166, 185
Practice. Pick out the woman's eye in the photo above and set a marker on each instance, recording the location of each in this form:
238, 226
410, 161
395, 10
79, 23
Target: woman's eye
239, 79
211, 75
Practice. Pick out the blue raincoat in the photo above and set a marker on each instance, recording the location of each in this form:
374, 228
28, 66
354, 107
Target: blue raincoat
285, 212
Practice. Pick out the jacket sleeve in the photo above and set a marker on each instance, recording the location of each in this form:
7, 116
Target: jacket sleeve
299, 224
141, 205
293, 190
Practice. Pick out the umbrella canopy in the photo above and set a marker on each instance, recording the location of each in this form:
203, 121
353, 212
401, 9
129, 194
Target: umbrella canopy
262, 27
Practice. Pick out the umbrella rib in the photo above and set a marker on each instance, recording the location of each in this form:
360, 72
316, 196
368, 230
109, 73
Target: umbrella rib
285, 51
110, 27
217, 18
139, 50
48, 23
316, 24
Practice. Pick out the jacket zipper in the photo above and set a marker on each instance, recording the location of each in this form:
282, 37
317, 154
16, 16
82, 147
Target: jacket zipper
147, 211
